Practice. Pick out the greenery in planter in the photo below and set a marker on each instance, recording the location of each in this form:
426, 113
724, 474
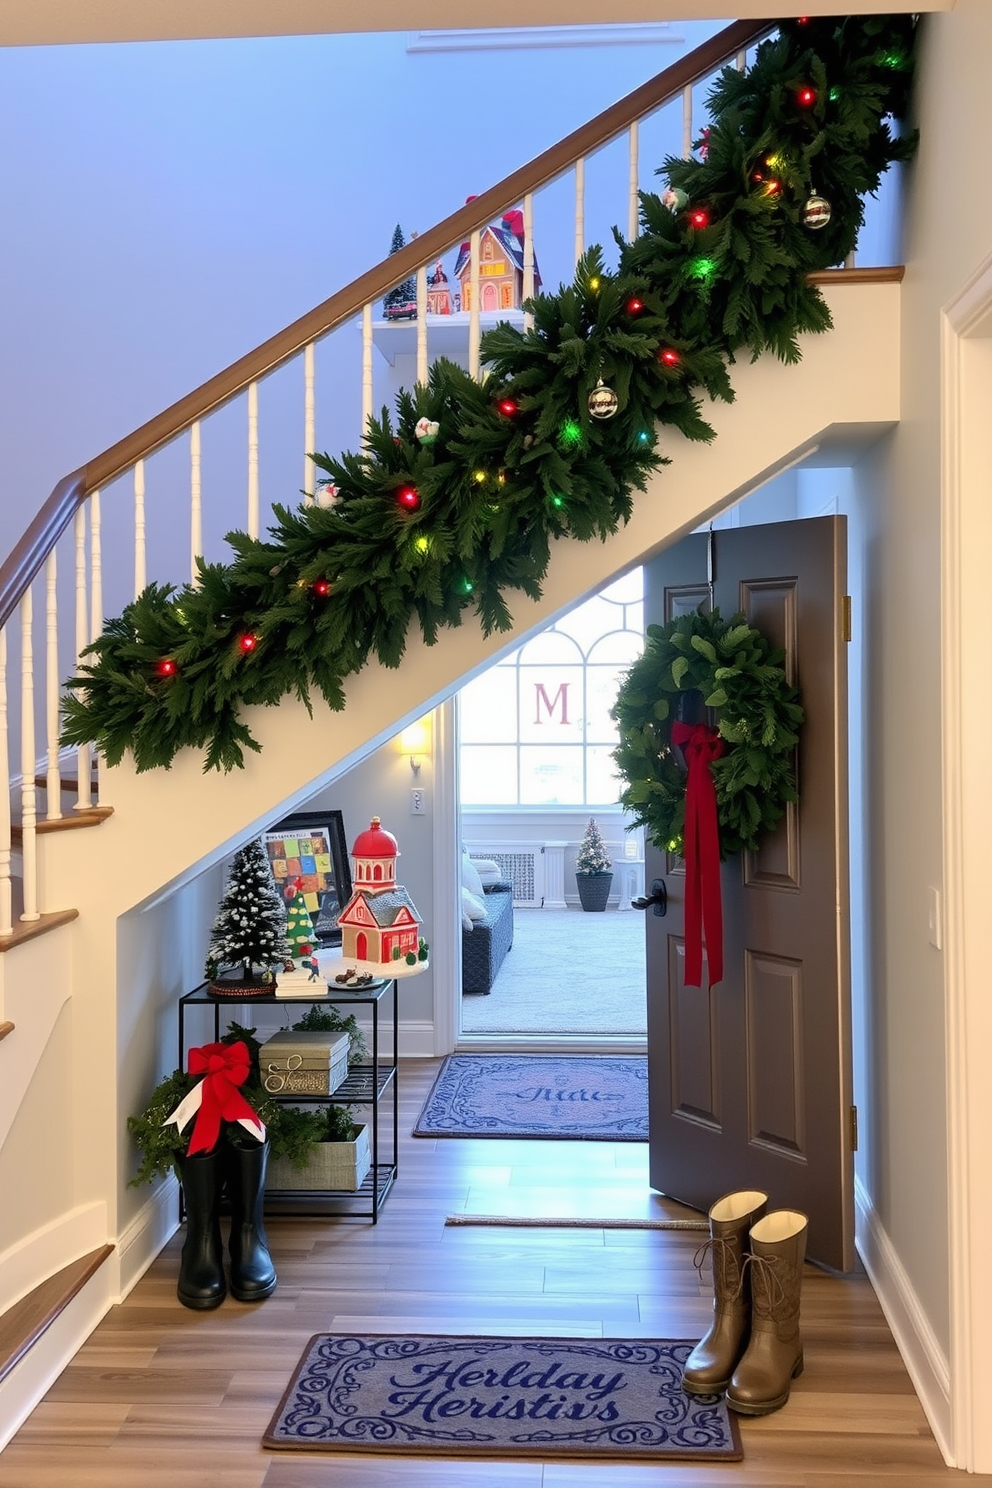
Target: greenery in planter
330, 1020
292, 1133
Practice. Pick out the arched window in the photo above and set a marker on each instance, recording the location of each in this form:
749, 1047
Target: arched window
535, 729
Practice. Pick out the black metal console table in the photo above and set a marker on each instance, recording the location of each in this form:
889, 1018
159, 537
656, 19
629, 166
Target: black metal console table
365, 1085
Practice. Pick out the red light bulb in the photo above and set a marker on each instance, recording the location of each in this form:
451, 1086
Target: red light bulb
408, 497
773, 188
507, 406
669, 356
807, 97
248, 642
634, 307
167, 667
699, 218
321, 587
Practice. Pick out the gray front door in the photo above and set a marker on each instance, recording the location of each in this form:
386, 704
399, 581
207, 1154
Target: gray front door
750, 1081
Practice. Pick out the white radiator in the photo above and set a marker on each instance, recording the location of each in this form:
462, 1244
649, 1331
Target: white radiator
521, 864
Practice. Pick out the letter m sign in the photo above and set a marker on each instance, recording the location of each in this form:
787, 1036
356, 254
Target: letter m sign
550, 704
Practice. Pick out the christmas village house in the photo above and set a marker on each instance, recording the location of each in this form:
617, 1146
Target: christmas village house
501, 266
379, 923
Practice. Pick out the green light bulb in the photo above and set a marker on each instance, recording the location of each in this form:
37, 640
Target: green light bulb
571, 433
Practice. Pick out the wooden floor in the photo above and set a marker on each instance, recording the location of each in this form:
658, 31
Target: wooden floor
164, 1396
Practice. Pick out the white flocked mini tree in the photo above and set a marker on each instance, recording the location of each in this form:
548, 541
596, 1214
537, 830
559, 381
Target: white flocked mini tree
592, 856
250, 927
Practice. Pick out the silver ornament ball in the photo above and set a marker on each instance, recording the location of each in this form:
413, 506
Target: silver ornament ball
817, 212
603, 401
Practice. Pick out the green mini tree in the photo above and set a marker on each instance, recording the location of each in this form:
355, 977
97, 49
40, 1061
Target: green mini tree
250, 928
592, 856
401, 294
299, 929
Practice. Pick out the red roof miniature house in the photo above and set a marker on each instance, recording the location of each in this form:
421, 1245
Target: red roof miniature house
380, 927
501, 266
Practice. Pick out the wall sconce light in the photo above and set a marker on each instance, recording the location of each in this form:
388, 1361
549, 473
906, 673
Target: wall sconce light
415, 741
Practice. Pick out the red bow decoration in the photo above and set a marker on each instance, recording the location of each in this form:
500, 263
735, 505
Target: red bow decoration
224, 1067
701, 745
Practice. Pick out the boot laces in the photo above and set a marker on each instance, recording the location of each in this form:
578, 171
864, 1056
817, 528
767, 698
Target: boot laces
728, 1270
775, 1287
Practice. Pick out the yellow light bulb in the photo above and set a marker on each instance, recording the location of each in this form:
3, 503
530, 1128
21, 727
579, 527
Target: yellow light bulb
479, 476
593, 283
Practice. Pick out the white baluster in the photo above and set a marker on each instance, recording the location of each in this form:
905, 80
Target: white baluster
528, 257
366, 369
740, 61
53, 782
253, 459
29, 794
96, 596
474, 325
83, 764
687, 121
633, 203
422, 323
849, 261
580, 208
6, 907
195, 500
309, 421
139, 528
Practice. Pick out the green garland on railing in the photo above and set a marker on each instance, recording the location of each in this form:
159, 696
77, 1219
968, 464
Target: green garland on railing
430, 525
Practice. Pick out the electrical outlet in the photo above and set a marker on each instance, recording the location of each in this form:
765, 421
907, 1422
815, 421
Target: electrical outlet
418, 801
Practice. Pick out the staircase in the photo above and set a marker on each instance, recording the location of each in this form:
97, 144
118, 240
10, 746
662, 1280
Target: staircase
70, 999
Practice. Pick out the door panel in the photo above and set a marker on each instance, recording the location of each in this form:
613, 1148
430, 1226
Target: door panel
750, 1083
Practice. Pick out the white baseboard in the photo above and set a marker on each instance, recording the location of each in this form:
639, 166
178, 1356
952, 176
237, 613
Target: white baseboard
38, 1256
915, 1339
139, 1244
41, 1366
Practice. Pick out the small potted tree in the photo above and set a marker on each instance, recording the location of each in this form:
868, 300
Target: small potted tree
592, 869
249, 933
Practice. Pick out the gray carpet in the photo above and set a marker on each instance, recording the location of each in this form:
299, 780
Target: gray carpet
568, 972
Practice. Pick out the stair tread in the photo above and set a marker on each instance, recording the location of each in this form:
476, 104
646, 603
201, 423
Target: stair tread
91, 817
30, 929
23, 1324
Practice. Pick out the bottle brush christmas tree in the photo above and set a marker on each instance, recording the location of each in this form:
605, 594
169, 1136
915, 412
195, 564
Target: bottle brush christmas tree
299, 929
399, 300
592, 856
250, 928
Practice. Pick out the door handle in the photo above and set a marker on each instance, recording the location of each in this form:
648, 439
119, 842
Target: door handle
658, 898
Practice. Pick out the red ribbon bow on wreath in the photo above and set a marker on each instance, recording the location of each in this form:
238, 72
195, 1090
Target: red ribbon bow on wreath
224, 1067
701, 745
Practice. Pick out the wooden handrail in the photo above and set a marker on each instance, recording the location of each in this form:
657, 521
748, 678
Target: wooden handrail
27, 556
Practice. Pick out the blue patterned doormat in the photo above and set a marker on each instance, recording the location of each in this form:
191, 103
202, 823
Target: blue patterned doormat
591, 1097
421, 1395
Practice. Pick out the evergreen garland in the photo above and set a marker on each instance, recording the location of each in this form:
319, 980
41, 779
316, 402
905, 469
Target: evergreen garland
428, 530
736, 673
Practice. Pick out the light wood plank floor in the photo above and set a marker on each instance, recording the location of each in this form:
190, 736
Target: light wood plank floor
161, 1397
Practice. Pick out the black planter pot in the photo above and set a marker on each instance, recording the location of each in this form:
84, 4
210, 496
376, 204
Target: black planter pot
594, 889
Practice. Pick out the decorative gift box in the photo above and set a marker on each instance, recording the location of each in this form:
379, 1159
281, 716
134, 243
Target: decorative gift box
304, 1063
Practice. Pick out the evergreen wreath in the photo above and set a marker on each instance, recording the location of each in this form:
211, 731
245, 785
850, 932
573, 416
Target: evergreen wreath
428, 522
757, 713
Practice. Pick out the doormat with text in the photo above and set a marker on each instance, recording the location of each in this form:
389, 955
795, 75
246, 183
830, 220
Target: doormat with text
599, 1098
422, 1395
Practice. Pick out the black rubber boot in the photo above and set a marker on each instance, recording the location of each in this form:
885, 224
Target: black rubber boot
201, 1269
253, 1275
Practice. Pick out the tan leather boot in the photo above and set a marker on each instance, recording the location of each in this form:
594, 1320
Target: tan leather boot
774, 1356
711, 1363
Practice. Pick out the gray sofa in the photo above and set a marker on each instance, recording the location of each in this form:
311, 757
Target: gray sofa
486, 944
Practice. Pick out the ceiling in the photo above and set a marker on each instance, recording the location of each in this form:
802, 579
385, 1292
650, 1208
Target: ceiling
45, 22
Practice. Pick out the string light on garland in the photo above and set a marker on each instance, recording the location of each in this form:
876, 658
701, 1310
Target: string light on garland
644, 437
408, 497
603, 401
321, 587
669, 356
772, 187
570, 434
467, 586
479, 476
702, 268
594, 285
167, 667
834, 94
507, 407
558, 501
699, 218
423, 544
247, 642
806, 96
634, 306
817, 212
